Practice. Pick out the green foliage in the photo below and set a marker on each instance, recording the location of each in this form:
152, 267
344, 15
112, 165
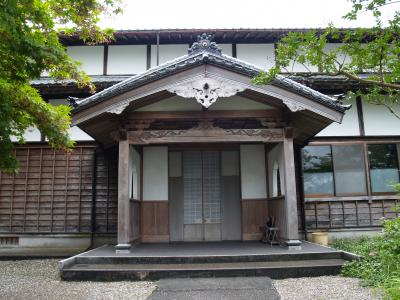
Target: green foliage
380, 265
374, 51
29, 34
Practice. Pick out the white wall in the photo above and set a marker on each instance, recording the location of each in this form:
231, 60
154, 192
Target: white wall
297, 67
378, 120
261, 55
226, 49
341, 57
134, 173
275, 156
167, 52
155, 173
127, 59
349, 125
32, 134
75, 132
253, 175
91, 58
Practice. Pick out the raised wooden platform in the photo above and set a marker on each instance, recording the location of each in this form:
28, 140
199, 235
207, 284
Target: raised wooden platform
155, 261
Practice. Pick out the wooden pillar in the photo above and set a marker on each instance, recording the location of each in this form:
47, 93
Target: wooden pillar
292, 234
124, 209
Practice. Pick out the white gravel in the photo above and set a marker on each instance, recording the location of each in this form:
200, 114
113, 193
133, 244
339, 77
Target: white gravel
38, 279
324, 287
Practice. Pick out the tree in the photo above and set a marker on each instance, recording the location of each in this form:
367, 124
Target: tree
29, 34
374, 51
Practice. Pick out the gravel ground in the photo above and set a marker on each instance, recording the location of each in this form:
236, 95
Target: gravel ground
325, 287
38, 279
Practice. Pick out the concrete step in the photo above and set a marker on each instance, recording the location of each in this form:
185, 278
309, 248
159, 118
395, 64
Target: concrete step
193, 259
273, 269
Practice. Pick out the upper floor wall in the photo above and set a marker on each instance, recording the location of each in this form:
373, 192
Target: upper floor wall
135, 59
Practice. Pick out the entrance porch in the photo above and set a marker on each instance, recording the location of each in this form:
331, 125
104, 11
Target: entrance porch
207, 259
206, 191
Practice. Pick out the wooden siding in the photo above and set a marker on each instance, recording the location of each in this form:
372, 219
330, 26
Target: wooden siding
341, 214
276, 208
254, 215
155, 221
106, 191
52, 192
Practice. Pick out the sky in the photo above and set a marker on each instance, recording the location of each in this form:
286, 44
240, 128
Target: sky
167, 14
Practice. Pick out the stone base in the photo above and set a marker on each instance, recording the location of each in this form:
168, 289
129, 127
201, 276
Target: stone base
293, 244
123, 248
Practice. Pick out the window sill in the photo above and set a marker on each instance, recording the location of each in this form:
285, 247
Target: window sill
354, 198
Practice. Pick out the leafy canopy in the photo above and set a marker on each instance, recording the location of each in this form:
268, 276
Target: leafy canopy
29, 34
374, 51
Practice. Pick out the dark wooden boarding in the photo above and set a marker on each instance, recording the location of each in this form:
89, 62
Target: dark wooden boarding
55, 192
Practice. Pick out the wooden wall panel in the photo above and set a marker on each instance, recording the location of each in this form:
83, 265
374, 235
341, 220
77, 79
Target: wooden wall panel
155, 221
276, 208
342, 214
106, 191
52, 192
135, 220
254, 215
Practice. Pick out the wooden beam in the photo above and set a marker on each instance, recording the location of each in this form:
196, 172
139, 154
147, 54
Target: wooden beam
360, 116
291, 234
105, 60
206, 114
205, 134
124, 209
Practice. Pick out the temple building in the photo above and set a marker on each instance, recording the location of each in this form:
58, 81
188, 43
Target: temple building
179, 145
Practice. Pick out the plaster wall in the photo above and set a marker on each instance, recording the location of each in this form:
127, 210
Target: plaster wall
253, 175
76, 133
167, 52
226, 49
261, 55
155, 173
378, 120
341, 57
126, 59
349, 125
91, 58
32, 134
134, 174
275, 158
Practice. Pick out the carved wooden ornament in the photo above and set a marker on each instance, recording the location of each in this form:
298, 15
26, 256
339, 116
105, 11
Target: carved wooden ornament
206, 90
205, 132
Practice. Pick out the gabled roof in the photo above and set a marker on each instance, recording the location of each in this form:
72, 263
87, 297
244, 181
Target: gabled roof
205, 52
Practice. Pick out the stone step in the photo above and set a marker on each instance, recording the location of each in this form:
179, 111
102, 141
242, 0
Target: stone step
273, 269
116, 259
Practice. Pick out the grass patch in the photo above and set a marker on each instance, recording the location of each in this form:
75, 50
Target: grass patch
380, 265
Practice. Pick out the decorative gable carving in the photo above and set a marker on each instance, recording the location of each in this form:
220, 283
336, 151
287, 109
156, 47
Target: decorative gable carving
206, 90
